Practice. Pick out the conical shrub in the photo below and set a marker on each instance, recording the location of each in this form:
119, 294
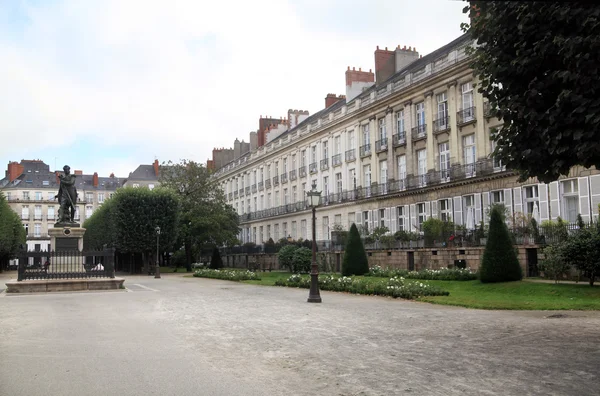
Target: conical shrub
216, 262
355, 258
500, 262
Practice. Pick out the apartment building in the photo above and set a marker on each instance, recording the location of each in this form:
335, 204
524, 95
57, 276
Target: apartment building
408, 142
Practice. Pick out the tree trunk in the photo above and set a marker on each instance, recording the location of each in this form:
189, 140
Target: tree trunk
188, 256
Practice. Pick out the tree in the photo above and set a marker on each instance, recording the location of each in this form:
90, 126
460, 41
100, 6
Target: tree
286, 257
500, 262
12, 233
302, 260
537, 64
216, 262
355, 258
581, 250
206, 218
555, 265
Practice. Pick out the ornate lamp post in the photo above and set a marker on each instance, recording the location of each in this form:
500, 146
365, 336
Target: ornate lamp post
157, 270
313, 200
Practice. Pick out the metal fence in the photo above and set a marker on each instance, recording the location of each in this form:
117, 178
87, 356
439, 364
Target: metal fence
72, 264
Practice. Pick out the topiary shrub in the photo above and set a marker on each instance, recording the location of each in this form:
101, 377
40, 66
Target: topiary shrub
216, 262
500, 262
302, 259
286, 257
355, 258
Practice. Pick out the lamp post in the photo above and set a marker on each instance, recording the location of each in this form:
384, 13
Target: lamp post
157, 269
313, 200
289, 239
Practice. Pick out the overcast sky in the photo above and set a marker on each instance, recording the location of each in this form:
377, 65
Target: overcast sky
110, 84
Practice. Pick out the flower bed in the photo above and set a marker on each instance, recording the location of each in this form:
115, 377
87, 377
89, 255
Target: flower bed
226, 274
457, 274
393, 287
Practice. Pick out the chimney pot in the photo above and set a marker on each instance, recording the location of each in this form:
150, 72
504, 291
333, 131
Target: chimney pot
377, 47
386, 48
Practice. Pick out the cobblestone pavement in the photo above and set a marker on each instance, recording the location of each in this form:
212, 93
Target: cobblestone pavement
190, 336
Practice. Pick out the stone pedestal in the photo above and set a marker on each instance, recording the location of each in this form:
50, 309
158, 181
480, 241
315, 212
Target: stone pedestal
66, 239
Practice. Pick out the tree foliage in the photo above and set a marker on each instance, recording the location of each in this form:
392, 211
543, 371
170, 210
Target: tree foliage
500, 262
537, 64
12, 233
302, 260
581, 250
355, 258
286, 257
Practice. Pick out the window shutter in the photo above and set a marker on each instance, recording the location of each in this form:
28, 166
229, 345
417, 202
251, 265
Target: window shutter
393, 219
508, 202
595, 195
387, 219
485, 207
458, 210
518, 200
372, 214
434, 209
477, 197
584, 199
427, 210
543, 193
450, 206
413, 220
554, 200
407, 226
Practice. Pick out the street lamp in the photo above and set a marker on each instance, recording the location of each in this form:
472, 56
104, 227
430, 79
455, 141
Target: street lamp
313, 200
289, 239
157, 270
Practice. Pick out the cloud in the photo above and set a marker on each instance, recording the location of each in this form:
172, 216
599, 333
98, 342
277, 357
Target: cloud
176, 78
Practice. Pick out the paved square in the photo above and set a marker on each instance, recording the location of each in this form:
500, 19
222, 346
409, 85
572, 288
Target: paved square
189, 336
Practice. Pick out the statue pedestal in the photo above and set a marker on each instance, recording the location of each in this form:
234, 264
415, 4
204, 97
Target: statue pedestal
66, 241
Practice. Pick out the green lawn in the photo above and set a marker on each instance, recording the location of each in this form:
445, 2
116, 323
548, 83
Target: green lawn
522, 295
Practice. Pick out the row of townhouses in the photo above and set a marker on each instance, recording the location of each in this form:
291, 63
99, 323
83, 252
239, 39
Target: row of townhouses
407, 142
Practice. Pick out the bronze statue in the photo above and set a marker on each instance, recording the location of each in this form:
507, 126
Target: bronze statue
67, 197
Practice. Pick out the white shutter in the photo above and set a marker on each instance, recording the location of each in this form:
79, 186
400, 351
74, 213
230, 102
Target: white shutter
387, 219
407, 226
458, 210
584, 199
413, 219
434, 209
372, 214
358, 218
554, 200
508, 202
427, 210
477, 197
595, 195
543, 193
450, 206
485, 207
518, 200
393, 219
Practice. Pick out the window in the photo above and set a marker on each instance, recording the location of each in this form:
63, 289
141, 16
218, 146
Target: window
151, 186
381, 217
400, 122
366, 135
38, 196
313, 154
400, 218
350, 140
294, 162
268, 232
365, 217
262, 175
325, 234
37, 212
26, 229
255, 204
420, 111
284, 230
383, 175
88, 212
367, 178
337, 220
382, 131
352, 178
497, 197
45, 183
51, 195
135, 185
294, 194
401, 161
303, 158
50, 212
442, 111
286, 197
469, 211
285, 165
338, 183
89, 197
37, 230
467, 101
570, 195
277, 198
260, 234
531, 199
248, 206
325, 150
445, 210
444, 150
422, 167
337, 145
254, 181
294, 230
261, 203
26, 195
497, 163
421, 214
351, 217
269, 201
469, 154
325, 186
8, 196
101, 196
303, 229
25, 212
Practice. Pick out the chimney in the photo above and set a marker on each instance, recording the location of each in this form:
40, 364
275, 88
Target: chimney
155, 167
112, 175
331, 99
405, 56
57, 178
95, 179
79, 172
14, 170
357, 81
385, 64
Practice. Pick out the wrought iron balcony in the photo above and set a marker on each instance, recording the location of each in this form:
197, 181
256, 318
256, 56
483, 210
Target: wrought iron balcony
230, 196
268, 183
293, 173
275, 180
312, 168
419, 132
235, 194
241, 192
261, 186
466, 116
381, 145
441, 125
336, 160
254, 188
350, 155
325, 164
422, 180
365, 150
399, 139
248, 190
302, 171
398, 185
284, 178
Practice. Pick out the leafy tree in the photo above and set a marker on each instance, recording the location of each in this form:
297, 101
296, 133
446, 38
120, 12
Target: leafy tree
216, 262
302, 260
205, 215
537, 64
286, 257
436, 230
555, 265
12, 233
500, 262
355, 258
581, 250
100, 227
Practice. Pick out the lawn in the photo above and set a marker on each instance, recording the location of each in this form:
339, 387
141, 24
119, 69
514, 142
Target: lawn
524, 295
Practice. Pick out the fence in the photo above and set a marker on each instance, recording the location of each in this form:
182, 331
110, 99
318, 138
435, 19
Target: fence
45, 265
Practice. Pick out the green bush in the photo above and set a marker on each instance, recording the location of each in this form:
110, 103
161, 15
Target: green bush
232, 275
286, 257
455, 274
216, 262
582, 250
555, 265
301, 260
500, 262
355, 258
436, 230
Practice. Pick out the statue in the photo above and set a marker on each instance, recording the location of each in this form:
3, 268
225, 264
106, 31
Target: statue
67, 197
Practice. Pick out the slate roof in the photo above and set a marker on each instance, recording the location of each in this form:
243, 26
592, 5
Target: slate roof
143, 172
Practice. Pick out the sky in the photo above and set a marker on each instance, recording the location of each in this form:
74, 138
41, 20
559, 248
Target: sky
107, 85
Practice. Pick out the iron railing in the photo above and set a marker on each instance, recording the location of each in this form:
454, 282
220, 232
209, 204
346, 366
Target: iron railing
268, 183
399, 139
336, 160
419, 132
441, 125
466, 116
381, 145
350, 155
261, 186
302, 171
312, 168
67, 264
293, 174
284, 178
365, 150
275, 180
325, 164
254, 188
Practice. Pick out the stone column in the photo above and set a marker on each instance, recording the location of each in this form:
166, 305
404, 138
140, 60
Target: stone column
453, 138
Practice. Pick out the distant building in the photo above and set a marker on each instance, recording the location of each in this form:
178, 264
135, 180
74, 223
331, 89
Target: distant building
144, 176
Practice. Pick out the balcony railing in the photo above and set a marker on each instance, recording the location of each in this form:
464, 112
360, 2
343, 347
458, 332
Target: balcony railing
325, 164
230, 196
241, 192
398, 185
441, 125
365, 150
465, 116
381, 145
312, 168
422, 180
399, 139
50, 217
419, 132
302, 171
268, 183
336, 160
261, 186
248, 190
350, 155
284, 178
235, 194
275, 180
38, 217
253, 188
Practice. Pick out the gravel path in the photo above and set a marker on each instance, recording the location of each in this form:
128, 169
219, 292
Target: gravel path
190, 336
